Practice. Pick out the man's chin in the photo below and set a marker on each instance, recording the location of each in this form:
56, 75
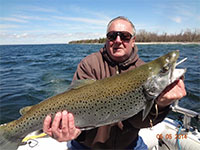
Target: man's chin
118, 54
118, 57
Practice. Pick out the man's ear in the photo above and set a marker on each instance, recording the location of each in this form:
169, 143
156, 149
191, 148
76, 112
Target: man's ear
133, 41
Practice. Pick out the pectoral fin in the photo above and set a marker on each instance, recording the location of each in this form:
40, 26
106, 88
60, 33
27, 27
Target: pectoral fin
147, 109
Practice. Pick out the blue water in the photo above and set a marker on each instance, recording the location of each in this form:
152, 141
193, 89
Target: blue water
32, 73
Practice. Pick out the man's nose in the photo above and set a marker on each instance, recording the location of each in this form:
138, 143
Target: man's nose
118, 39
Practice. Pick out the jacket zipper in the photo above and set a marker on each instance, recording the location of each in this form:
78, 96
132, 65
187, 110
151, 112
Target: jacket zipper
117, 69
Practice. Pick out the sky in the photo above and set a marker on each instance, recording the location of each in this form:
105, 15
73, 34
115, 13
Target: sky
61, 21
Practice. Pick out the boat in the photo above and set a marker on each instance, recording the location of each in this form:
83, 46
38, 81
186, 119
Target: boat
167, 135
173, 134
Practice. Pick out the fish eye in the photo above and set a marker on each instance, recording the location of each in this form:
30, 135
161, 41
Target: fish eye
165, 69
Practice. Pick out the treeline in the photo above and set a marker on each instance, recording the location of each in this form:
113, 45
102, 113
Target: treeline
100, 40
144, 36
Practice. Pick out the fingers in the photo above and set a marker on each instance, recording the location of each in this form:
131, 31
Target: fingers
56, 121
47, 125
56, 131
71, 122
173, 92
178, 91
73, 131
182, 87
63, 127
65, 122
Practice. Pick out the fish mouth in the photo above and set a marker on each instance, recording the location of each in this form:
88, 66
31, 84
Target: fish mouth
176, 73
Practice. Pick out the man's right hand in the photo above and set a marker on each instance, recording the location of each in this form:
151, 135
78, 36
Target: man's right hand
62, 128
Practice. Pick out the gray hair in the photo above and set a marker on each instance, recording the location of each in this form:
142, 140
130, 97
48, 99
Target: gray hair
122, 18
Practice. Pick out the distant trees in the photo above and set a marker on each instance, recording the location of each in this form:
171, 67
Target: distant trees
187, 36
100, 40
144, 36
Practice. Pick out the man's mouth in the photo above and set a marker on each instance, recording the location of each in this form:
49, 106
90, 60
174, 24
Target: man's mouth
117, 48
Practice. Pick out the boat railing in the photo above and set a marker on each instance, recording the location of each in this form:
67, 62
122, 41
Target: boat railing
188, 114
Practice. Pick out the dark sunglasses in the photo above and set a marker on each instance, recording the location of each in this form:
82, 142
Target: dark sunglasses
124, 36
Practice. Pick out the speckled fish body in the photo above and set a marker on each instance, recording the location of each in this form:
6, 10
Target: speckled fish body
101, 102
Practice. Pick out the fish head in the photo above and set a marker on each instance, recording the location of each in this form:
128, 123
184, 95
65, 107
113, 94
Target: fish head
162, 72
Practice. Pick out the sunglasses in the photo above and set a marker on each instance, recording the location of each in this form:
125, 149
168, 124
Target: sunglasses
124, 36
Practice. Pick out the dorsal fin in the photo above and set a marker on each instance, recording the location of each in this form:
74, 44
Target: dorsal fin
24, 110
80, 83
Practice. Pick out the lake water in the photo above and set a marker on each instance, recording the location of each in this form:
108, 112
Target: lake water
32, 73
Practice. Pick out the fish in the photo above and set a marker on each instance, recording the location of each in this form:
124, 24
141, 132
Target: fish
96, 103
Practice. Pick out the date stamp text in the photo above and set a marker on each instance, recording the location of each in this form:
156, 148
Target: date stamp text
171, 136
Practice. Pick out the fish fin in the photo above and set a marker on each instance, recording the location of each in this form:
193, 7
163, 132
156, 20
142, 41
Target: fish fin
80, 83
7, 142
147, 109
24, 110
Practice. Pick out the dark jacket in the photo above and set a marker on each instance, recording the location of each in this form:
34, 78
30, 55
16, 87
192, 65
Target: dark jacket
98, 66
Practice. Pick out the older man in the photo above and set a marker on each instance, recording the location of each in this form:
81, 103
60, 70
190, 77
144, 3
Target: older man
117, 56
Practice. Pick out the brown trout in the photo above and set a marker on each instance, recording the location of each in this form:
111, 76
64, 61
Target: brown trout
97, 103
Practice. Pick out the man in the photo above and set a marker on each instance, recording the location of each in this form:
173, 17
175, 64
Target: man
118, 55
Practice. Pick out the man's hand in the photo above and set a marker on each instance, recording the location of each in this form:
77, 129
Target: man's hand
62, 128
173, 92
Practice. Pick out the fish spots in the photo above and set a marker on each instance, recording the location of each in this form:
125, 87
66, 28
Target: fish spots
100, 103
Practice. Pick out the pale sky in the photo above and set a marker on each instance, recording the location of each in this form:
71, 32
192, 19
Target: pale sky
61, 21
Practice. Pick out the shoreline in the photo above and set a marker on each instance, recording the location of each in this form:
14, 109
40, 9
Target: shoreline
137, 43
151, 43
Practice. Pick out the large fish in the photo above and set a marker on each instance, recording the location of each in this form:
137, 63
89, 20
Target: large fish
101, 102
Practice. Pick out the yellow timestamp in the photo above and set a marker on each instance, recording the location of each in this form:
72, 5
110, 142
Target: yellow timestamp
171, 136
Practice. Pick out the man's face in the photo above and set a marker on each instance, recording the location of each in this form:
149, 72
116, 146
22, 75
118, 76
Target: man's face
119, 50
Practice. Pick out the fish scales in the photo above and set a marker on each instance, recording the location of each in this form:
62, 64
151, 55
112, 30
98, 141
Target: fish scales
97, 103
90, 99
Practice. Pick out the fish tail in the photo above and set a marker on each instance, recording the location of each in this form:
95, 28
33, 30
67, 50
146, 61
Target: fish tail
7, 142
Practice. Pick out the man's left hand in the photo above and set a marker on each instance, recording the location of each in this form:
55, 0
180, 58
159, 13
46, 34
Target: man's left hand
172, 93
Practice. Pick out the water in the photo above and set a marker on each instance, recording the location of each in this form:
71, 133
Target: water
32, 73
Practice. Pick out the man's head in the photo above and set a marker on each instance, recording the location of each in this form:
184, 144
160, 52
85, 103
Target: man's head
120, 39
